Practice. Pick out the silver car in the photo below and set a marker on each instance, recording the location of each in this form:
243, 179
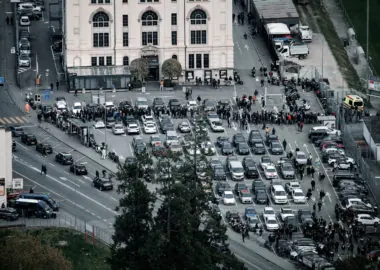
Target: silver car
287, 170
23, 42
300, 158
24, 60
24, 49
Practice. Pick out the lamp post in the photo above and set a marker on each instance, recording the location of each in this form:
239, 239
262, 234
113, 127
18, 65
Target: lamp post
367, 48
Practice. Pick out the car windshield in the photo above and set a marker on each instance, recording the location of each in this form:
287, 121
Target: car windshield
149, 124
271, 221
228, 195
298, 194
237, 170
245, 194
280, 193
266, 160
217, 123
118, 126
259, 145
184, 124
271, 170
141, 102
253, 220
227, 146
301, 156
287, 211
269, 212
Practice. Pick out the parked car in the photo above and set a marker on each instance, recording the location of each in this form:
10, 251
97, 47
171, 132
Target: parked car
64, 158
28, 139
102, 183
24, 60
184, 127
78, 169
118, 129
9, 213
16, 131
44, 148
258, 148
24, 21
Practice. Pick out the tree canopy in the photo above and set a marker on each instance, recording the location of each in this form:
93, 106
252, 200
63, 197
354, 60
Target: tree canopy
139, 68
171, 68
173, 227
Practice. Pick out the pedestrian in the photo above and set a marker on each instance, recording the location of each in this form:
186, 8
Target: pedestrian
322, 194
267, 130
43, 169
129, 87
104, 153
229, 122
312, 172
284, 144
242, 235
44, 153
104, 172
56, 84
3, 205
51, 86
262, 82
31, 190
314, 207
273, 131
199, 99
97, 174
76, 93
312, 185
161, 85
320, 205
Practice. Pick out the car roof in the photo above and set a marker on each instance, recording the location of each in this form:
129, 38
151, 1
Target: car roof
268, 208
228, 192
297, 190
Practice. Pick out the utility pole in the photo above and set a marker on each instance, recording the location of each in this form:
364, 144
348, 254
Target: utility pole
367, 49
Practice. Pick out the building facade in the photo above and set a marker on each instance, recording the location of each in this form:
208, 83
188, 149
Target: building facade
5, 164
102, 37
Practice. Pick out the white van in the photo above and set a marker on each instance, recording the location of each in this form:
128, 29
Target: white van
171, 138
278, 194
328, 130
236, 169
142, 103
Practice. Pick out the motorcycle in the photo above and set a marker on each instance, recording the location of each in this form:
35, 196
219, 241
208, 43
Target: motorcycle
113, 156
253, 72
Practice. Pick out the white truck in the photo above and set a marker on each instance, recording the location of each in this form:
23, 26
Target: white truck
292, 50
303, 31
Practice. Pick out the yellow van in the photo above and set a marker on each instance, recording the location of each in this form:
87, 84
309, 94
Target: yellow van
353, 102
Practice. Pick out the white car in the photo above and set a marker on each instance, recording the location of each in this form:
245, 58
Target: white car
24, 21
208, 148
191, 105
184, 127
190, 149
150, 128
271, 224
292, 185
245, 196
155, 140
212, 117
24, 60
298, 196
133, 128
269, 212
266, 161
286, 212
366, 219
109, 105
332, 160
270, 172
118, 129
228, 198
77, 108
147, 118
99, 124
217, 126
61, 105
356, 201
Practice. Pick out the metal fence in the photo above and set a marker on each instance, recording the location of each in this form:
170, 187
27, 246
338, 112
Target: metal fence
63, 221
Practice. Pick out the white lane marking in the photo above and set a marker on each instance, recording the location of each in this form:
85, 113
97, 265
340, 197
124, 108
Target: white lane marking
56, 145
45, 139
51, 164
307, 149
22, 146
68, 180
70, 188
87, 178
130, 148
81, 181
114, 199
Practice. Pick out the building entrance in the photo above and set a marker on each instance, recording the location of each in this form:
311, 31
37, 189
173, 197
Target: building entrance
153, 68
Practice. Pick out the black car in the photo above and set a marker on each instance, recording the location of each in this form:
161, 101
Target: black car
78, 169
28, 139
129, 119
238, 138
13, 146
242, 148
270, 138
158, 104
174, 104
290, 222
8, 214
227, 149
317, 135
261, 196
165, 126
258, 148
219, 174
250, 168
305, 218
221, 140
16, 131
102, 183
125, 105
110, 121
221, 187
326, 155
64, 158
276, 148
254, 137
44, 148
139, 148
258, 185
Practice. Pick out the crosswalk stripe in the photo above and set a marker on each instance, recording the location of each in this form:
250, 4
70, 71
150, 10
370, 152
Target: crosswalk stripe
2, 121
13, 120
23, 118
7, 120
19, 119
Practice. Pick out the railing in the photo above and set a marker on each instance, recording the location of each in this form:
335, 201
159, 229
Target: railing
62, 221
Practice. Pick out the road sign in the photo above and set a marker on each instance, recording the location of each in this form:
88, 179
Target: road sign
17, 183
13, 50
47, 94
2, 80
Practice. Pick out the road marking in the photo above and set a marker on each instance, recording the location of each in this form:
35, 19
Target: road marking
52, 164
6, 120
57, 145
13, 120
81, 181
22, 146
66, 186
45, 139
2, 121
307, 149
114, 199
87, 178
130, 148
19, 119
23, 118
68, 180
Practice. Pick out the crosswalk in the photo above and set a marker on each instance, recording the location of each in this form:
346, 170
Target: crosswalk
13, 120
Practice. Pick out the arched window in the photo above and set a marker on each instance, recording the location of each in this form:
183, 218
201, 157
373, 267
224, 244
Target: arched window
149, 18
125, 61
198, 16
174, 56
100, 19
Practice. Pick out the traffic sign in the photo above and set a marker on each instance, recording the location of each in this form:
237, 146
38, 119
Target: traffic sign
2, 80
47, 94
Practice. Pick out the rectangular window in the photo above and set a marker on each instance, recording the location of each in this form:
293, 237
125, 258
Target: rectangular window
101, 61
93, 1
125, 1
174, 37
109, 60
125, 39
191, 60
125, 20
94, 61
101, 40
198, 61
95, 40
108, 1
206, 60
149, 38
174, 18
198, 37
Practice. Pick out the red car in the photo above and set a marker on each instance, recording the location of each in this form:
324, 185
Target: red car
327, 144
373, 255
159, 151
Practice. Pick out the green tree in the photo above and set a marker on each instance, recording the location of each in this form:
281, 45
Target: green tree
133, 225
171, 68
139, 69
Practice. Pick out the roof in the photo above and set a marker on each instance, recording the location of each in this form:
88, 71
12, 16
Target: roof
99, 71
277, 29
373, 127
276, 9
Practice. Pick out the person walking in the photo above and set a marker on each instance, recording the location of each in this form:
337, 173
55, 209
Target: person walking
312, 185
97, 174
273, 131
31, 190
319, 206
56, 84
284, 144
243, 235
76, 93
161, 85
7, 20
51, 87
104, 153
43, 169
